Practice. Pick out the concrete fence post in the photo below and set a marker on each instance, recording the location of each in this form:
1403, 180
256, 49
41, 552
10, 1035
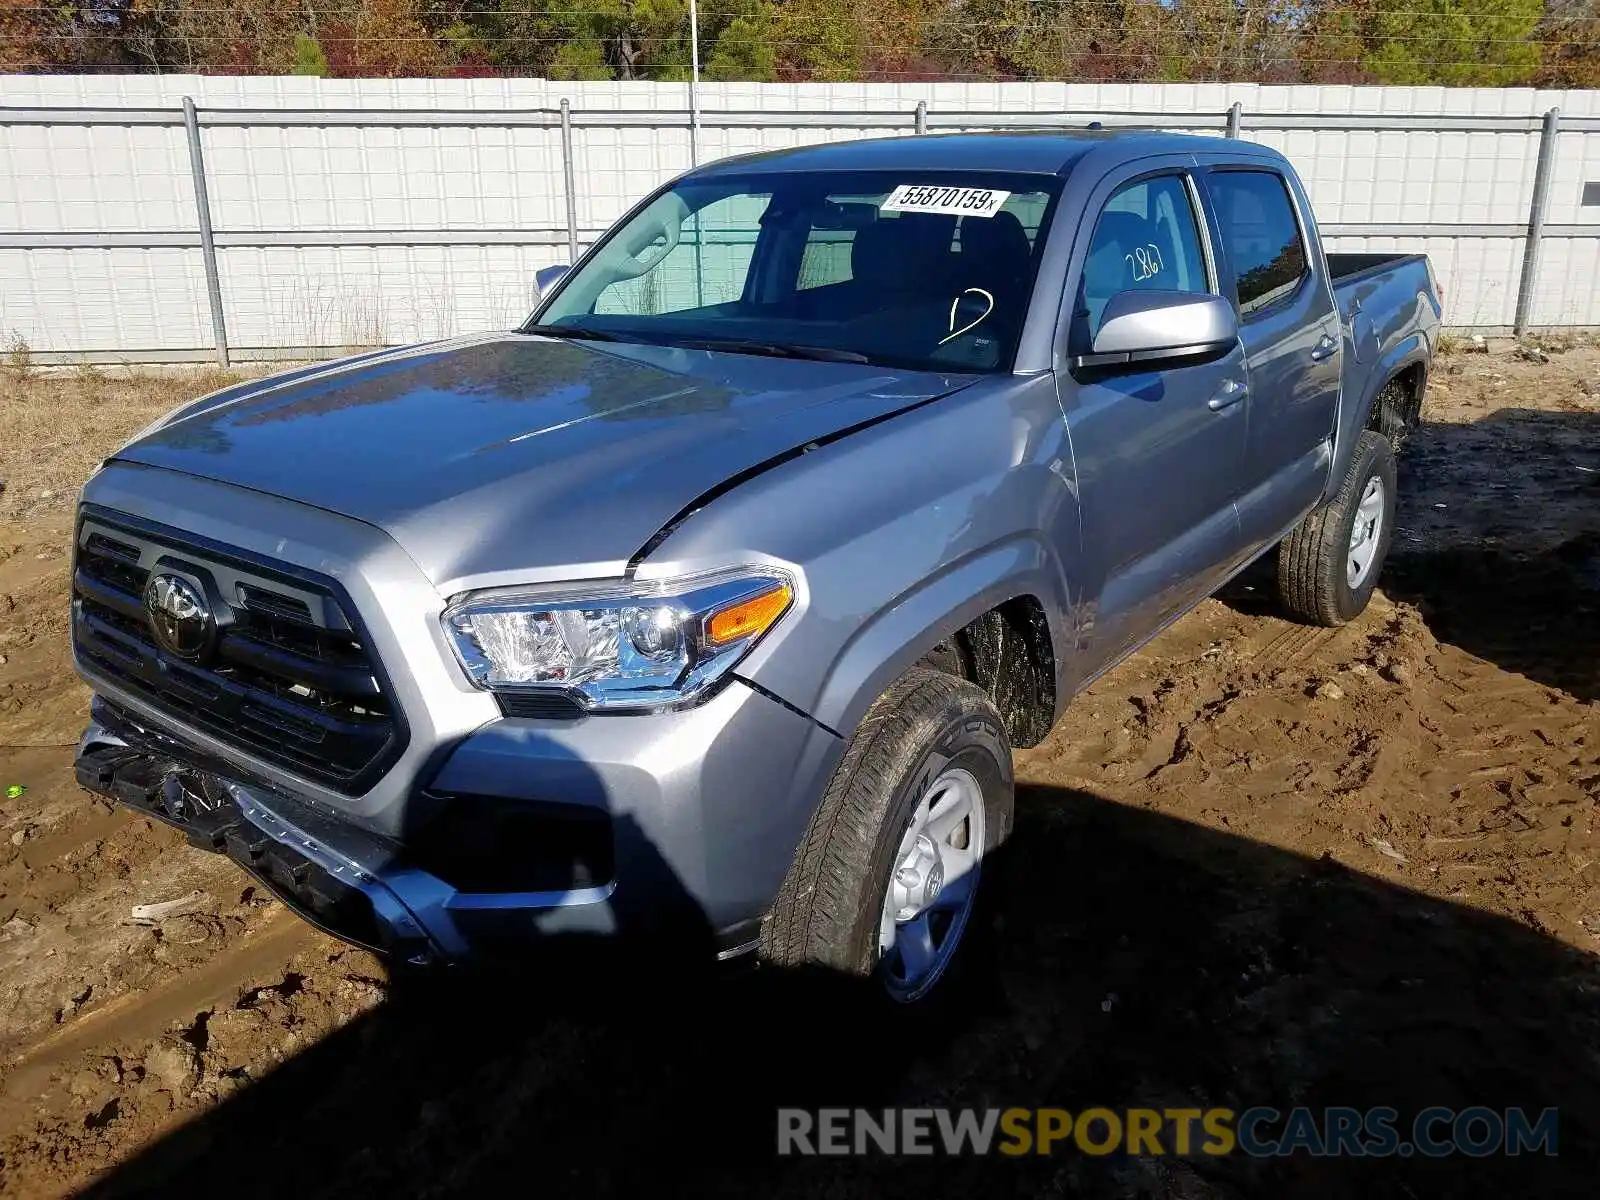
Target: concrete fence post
694, 83
569, 181
1235, 115
208, 244
1536, 214
920, 121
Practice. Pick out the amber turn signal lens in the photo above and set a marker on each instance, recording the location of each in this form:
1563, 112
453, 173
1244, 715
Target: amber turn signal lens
748, 617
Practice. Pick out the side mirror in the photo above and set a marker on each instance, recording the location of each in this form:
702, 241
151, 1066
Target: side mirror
1138, 326
547, 277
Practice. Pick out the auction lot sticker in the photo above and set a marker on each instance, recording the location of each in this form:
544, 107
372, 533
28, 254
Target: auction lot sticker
957, 201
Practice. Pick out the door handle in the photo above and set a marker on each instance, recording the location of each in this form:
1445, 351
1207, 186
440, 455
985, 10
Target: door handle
1229, 394
1323, 349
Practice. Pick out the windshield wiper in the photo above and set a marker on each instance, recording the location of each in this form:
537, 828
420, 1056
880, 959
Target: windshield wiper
571, 331
772, 349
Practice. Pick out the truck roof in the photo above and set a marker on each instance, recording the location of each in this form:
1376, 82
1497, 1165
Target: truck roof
1041, 152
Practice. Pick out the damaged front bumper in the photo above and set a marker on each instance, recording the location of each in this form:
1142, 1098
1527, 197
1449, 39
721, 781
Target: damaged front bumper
346, 881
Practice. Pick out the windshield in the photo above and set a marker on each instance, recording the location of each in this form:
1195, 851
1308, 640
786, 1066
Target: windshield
927, 270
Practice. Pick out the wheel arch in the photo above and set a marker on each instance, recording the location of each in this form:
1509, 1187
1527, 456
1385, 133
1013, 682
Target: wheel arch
994, 619
1406, 359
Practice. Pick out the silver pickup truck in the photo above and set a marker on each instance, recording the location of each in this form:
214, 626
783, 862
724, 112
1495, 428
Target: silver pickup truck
710, 603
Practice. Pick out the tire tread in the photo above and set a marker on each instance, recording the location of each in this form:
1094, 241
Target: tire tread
814, 916
1311, 558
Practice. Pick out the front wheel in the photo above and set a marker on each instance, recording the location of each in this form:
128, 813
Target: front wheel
886, 882
1328, 567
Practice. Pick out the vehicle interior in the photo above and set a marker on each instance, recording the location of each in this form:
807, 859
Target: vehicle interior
808, 265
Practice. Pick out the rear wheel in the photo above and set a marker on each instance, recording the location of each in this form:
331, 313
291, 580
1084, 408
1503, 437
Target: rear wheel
1394, 414
886, 882
1328, 567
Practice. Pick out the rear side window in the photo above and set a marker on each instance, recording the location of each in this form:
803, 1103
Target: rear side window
1261, 235
1145, 239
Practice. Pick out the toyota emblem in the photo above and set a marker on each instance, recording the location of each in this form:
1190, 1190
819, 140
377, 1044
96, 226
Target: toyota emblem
180, 618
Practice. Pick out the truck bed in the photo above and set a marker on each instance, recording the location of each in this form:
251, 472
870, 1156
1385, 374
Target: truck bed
1349, 268
1380, 283
1385, 302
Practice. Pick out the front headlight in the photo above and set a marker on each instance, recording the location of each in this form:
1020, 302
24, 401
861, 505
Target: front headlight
619, 646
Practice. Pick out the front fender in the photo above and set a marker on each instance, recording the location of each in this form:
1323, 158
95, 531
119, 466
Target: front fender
899, 535
895, 638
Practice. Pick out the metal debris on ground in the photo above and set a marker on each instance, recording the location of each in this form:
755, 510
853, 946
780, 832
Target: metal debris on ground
1388, 851
151, 914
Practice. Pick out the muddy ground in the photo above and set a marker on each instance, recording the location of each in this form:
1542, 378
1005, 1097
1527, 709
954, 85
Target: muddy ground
1258, 864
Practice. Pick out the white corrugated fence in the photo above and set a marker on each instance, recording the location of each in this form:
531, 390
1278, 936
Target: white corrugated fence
360, 212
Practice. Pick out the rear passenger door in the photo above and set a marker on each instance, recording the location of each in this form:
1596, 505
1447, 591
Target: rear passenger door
1290, 332
1159, 445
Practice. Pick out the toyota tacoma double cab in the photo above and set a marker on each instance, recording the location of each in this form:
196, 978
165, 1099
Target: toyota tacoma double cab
711, 602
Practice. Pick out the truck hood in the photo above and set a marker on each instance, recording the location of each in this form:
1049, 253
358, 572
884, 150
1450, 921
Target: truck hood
521, 458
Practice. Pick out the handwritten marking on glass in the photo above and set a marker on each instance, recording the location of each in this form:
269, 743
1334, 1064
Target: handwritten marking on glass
967, 328
1144, 263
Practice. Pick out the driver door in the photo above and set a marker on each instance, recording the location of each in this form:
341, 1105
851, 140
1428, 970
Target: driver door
1159, 445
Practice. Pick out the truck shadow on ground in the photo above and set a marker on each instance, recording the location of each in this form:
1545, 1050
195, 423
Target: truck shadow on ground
1138, 961
1497, 544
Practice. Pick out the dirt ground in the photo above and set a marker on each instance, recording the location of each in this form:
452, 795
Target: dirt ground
1258, 864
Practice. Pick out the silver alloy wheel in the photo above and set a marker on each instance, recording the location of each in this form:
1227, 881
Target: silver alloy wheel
1365, 534
932, 883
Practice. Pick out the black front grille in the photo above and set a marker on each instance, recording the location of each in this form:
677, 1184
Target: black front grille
289, 678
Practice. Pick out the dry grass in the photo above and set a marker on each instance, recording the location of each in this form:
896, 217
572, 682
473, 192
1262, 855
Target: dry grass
56, 424
1558, 341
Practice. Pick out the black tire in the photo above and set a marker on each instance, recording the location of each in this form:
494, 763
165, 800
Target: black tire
828, 910
1312, 579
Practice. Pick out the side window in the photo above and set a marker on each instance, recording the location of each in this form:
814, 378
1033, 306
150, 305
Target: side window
1146, 239
706, 265
1261, 234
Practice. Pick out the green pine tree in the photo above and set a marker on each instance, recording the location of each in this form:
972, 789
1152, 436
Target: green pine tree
308, 56
1460, 43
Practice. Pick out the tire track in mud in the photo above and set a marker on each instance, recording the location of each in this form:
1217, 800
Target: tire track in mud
143, 1014
1292, 645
